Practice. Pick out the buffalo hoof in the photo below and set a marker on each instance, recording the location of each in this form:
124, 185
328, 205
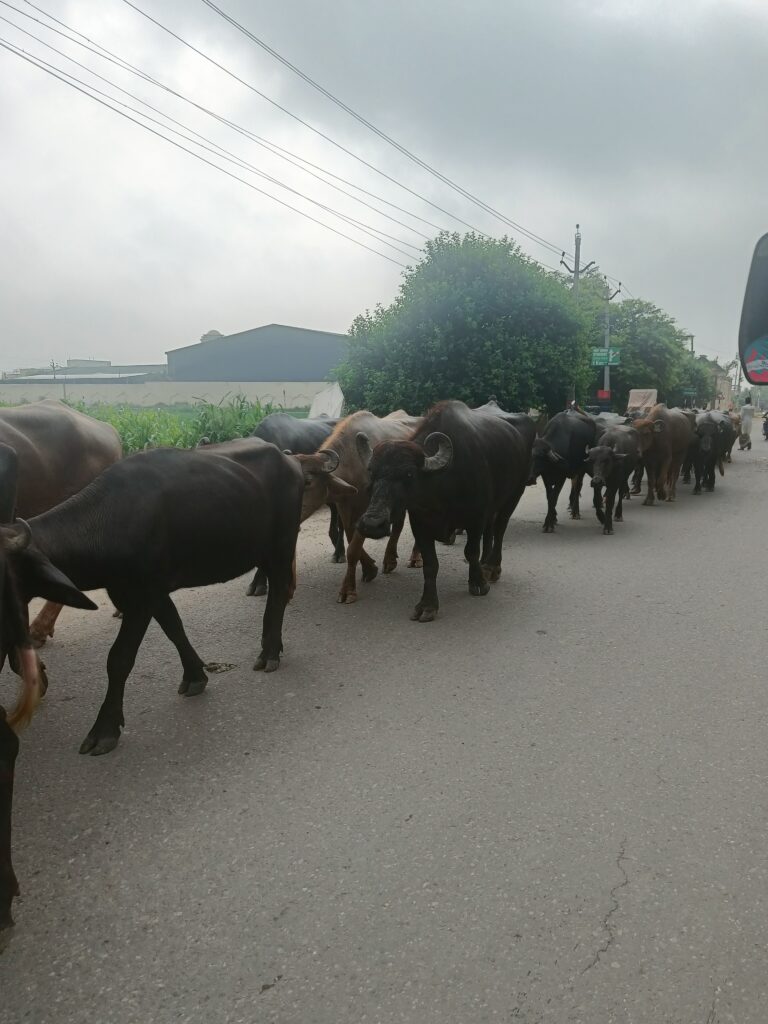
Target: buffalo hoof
415, 563
607, 531
423, 613
258, 591
370, 572
96, 745
495, 574
265, 664
548, 528
192, 687
388, 565
635, 490
697, 490
575, 515
339, 558
348, 598
649, 501
618, 519
479, 589
116, 614
451, 539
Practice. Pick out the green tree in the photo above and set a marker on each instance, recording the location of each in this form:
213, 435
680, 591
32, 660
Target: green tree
475, 317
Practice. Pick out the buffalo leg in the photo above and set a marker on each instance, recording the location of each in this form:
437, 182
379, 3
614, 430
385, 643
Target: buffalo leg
553, 489
427, 608
650, 471
662, 479
9, 749
597, 501
336, 533
493, 566
105, 734
697, 469
389, 562
673, 472
637, 479
478, 584
573, 501
621, 493
610, 497
355, 554
44, 623
280, 583
258, 585
167, 617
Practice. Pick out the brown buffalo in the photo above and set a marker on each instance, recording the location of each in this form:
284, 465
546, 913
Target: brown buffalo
58, 451
665, 435
398, 426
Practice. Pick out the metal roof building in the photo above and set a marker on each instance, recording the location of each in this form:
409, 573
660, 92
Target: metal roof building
274, 352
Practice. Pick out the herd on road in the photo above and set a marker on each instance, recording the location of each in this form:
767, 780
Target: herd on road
77, 517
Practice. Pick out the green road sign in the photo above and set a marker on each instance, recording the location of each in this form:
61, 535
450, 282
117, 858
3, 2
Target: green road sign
606, 356
689, 392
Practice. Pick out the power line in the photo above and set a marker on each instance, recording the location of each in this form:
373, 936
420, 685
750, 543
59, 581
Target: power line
35, 62
300, 120
465, 193
272, 147
210, 145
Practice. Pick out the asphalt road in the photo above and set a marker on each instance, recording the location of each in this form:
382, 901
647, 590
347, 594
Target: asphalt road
548, 805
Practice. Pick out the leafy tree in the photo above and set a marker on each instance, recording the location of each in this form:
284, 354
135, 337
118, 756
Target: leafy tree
476, 317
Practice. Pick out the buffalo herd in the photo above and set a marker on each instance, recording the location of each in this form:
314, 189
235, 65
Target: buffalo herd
77, 517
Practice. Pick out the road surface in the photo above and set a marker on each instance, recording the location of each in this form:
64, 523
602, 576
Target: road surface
551, 804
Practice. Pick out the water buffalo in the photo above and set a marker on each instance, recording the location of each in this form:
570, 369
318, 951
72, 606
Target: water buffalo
321, 485
58, 450
459, 468
300, 437
610, 464
559, 454
156, 522
353, 469
712, 436
665, 436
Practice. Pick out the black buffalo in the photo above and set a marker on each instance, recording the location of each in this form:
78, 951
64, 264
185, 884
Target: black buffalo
559, 455
460, 469
610, 464
300, 437
709, 448
154, 523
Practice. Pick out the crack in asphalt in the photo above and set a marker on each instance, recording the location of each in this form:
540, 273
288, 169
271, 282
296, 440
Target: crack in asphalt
711, 1016
607, 919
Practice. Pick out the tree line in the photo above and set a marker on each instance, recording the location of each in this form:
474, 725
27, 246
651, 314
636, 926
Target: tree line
477, 317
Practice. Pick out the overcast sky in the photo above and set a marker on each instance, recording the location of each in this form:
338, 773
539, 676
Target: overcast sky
644, 121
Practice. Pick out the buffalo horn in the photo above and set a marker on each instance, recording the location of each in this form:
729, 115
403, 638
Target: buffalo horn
330, 459
442, 456
17, 537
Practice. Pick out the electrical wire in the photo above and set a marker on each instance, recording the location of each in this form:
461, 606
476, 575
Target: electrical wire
272, 147
211, 146
62, 77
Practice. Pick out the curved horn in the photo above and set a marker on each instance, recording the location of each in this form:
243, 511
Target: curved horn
554, 457
330, 459
17, 537
444, 454
363, 448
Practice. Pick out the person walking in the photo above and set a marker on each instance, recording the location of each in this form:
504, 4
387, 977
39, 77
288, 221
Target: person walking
747, 412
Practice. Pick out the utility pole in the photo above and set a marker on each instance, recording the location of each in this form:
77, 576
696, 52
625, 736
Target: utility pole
608, 297
577, 271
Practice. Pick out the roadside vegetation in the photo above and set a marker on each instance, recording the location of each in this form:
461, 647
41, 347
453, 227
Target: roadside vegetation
181, 426
476, 317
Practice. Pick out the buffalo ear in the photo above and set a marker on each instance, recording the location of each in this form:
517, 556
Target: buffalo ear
339, 489
42, 579
17, 537
363, 448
